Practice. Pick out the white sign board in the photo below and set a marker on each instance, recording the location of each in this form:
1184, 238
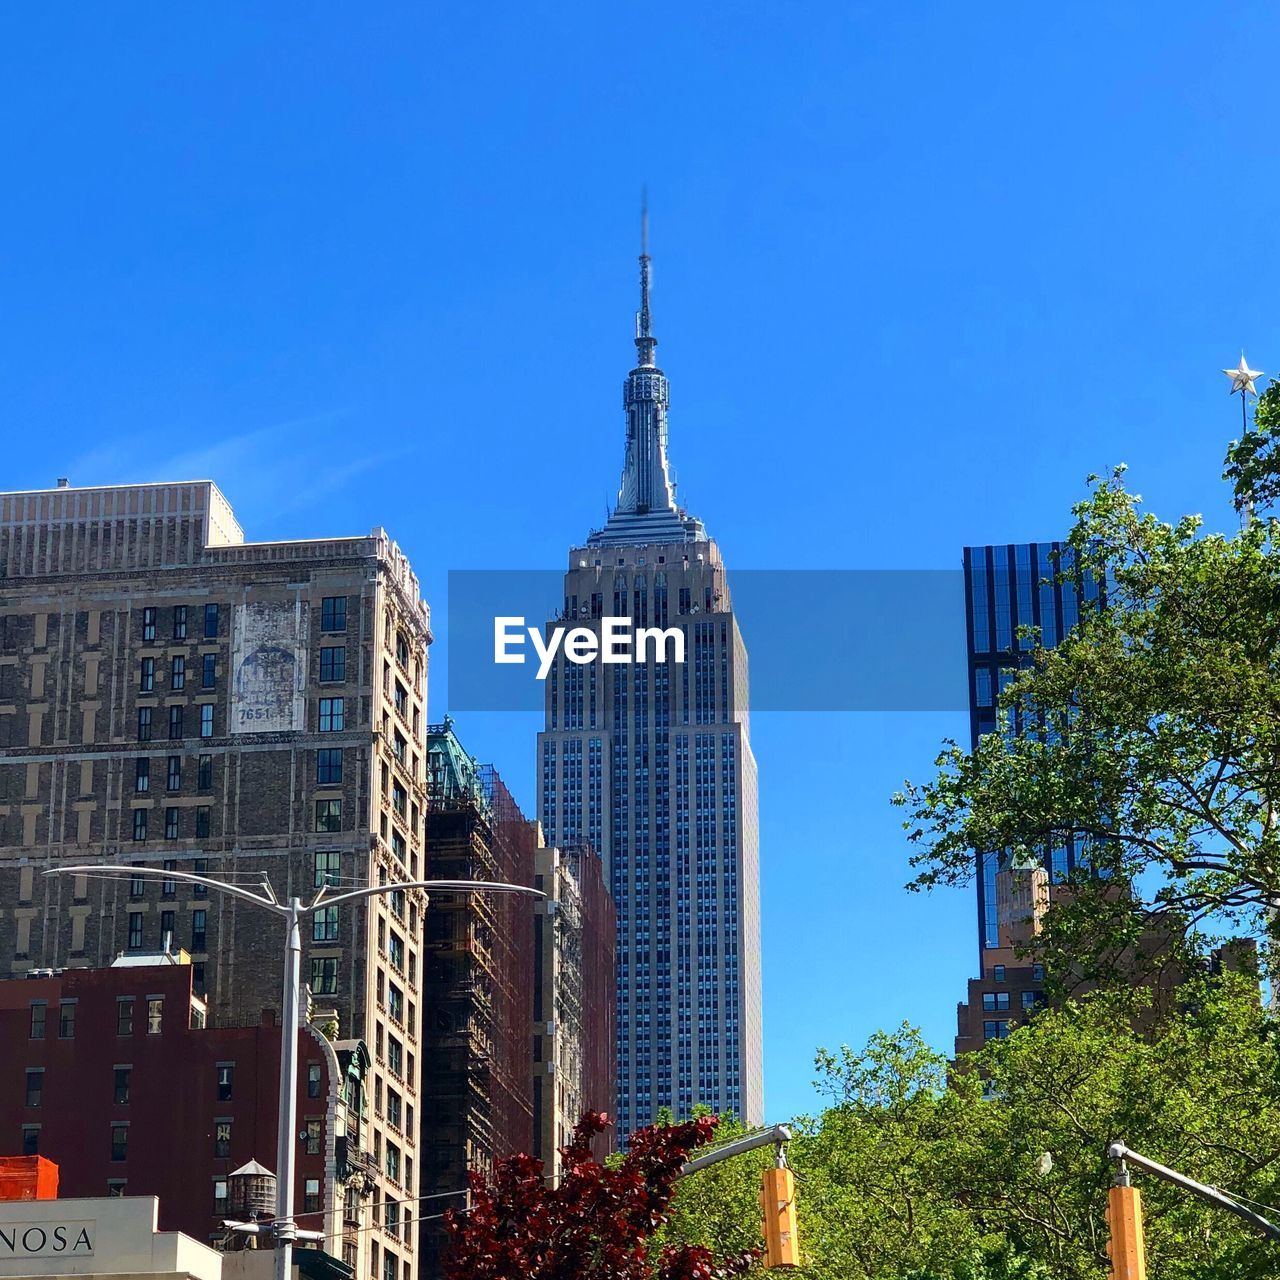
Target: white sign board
269, 667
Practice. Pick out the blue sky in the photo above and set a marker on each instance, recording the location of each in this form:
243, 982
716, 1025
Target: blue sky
919, 268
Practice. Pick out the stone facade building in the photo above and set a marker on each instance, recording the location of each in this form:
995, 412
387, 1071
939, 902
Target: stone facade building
573, 998
174, 697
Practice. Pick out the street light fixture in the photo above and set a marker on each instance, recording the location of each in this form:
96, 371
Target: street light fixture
284, 1228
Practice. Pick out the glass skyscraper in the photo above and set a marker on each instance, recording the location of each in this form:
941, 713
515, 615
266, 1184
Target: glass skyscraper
650, 762
1007, 588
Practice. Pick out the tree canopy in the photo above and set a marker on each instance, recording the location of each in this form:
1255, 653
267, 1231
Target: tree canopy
1150, 734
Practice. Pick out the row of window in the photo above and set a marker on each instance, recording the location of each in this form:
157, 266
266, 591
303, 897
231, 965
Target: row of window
178, 673
333, 617
212, 616
172, 823
122, 1076
67, 1019
177, 721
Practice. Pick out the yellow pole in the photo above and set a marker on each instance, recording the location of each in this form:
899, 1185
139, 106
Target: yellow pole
1124, 1219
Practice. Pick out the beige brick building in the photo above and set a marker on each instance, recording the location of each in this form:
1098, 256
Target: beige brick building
176, 697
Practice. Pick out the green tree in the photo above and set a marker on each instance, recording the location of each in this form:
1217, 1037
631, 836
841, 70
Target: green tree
1151, 733
914, 1171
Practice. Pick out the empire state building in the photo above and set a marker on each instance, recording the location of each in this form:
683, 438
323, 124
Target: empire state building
650, 762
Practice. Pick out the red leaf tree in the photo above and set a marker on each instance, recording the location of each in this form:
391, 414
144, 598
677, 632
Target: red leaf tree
598, 1222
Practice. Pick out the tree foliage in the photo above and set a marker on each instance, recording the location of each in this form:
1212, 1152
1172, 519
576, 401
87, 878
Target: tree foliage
598, 1221
1151, 734
916, 1172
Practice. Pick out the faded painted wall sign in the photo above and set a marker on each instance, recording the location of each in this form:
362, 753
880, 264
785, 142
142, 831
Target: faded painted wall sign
269, 662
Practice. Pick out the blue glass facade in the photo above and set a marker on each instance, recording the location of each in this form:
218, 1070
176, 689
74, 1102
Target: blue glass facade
1008, 588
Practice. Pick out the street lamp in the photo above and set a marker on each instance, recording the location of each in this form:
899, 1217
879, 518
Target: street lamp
284, 1228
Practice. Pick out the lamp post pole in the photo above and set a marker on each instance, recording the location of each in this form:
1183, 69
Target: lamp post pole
285, 1228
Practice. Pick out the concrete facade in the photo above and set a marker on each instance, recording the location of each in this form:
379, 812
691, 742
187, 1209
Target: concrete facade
174, 696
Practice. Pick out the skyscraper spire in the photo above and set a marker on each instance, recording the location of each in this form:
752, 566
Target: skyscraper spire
646, 511
645, 341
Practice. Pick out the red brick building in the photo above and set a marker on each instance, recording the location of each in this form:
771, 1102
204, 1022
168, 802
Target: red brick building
113, 1074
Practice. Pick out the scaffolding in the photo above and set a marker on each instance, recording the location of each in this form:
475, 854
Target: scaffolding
477, 1088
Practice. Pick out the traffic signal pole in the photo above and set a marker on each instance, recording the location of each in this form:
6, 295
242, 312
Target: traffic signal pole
777, 1192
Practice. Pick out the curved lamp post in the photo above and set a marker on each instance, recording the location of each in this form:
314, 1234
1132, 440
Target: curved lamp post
284, 1228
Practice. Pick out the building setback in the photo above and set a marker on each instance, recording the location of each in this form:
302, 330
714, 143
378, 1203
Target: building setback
650, 763
175, 697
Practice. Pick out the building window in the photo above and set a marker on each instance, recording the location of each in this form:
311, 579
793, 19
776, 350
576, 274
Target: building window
329, 815
332, 715
995, 1030
997, 973
324, 976
147, 675
993, 1001
1037, 973
393, 1162
137, 884
204, 774
327, 866
333, 613
226, 1081
124, 1016
333, 663
395, 1056
1032, 1000
222, 1140
311, 1196
211, 622
120, 1086
175, 722
135, 930
197, 979
142, 774
220, 1203
202, 822
206, 719
315, 1137
313, 1080
201, 868
199, 939
169, 888
324, 925
329, 766
395, 1001
393, 1108
155, 1015
115, 1187
148, 624
208, 670
178, 673
179, 621
38, 1010
30, 1139
67, 1020
144, 724
171, 822
139, 824
166, 929
35, 1086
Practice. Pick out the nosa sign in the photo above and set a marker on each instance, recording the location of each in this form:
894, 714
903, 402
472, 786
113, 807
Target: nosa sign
44, 1239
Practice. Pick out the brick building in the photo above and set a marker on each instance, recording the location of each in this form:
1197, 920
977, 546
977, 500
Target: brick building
103, 1067
176, 697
